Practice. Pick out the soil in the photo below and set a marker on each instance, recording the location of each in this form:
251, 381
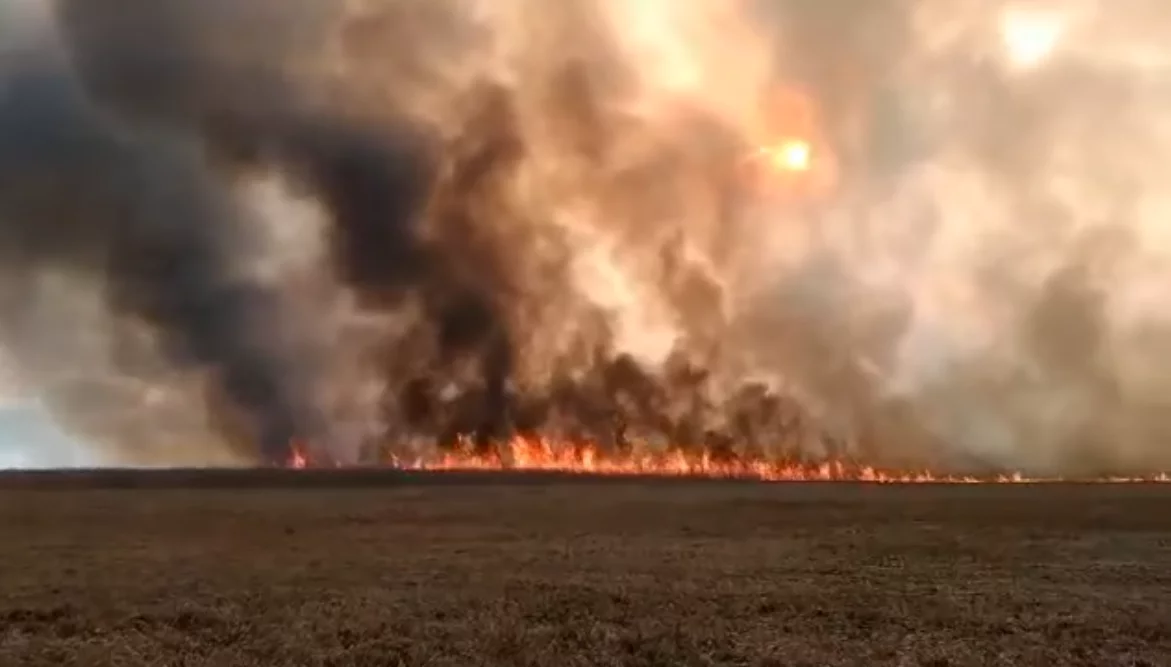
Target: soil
329, 569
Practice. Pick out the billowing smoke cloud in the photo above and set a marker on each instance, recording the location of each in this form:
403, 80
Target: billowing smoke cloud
993, 255
85, 194
379, 225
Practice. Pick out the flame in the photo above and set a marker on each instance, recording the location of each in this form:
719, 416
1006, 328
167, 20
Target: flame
539, 455
297, 458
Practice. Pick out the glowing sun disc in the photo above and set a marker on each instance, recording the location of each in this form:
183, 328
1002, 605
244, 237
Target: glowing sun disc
791, 155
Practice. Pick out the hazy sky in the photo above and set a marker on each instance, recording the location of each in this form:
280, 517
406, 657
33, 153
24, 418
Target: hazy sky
30, 439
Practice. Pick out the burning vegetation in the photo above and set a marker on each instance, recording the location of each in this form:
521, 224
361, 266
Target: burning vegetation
471, 234
539, 455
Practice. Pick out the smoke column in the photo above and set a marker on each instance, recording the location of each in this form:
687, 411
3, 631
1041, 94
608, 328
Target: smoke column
409, 222
135, 208
992, 257
973, 283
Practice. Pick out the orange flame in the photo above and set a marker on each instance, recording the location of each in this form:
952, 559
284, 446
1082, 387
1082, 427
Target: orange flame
297, 458
521, 454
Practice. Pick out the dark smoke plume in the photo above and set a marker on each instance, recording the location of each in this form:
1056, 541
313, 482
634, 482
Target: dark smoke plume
162, 68
175, 66
136, 207
377, 225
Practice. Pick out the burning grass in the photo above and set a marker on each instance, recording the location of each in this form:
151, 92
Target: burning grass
542, 455
682, 573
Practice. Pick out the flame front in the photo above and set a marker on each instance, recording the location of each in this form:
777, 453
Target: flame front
297, 458
538, 455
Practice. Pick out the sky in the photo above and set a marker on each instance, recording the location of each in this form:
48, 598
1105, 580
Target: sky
30, 439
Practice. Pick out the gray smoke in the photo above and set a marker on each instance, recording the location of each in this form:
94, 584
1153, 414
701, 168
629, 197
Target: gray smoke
380, 225
136, 208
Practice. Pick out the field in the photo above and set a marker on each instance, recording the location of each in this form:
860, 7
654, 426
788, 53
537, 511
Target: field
328, 569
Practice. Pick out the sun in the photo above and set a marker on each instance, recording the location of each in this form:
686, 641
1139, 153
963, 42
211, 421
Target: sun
1030, 36
794, 155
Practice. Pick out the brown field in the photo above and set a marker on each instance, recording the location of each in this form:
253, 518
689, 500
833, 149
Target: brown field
288, 569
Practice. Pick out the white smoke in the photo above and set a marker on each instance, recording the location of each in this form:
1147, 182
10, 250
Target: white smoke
1022, 240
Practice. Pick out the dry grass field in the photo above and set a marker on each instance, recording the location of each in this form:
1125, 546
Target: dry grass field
544, 572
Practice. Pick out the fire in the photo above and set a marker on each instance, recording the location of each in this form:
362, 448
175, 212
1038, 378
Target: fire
537, 455
297, 458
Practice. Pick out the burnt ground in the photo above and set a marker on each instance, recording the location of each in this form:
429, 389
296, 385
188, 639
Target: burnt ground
436, 570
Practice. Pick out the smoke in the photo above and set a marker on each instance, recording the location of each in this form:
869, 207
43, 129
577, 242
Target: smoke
86, 196
989, 253
382, 225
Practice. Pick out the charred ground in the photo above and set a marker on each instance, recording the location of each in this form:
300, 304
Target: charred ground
417, 570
